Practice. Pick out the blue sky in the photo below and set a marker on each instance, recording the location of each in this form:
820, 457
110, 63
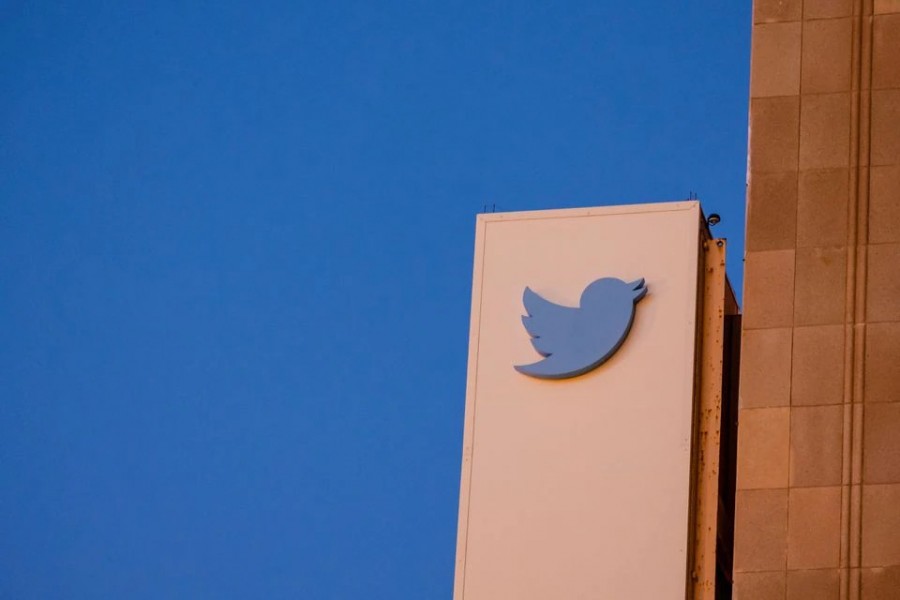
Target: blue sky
235, 257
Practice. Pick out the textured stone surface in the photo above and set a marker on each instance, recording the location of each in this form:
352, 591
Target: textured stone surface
883, 291
760, 530
817, 370
814, 528
763, 448
881, 525
881, 583
821, 279
825, 131
823, 197
881, 447
774, 134
759, 586
769, 289
826, 9
772, 211
766, 368
770, 11
818, 584
816, 453
885, 127
826, 56
884, 205
886, 52
775, 62
882, 383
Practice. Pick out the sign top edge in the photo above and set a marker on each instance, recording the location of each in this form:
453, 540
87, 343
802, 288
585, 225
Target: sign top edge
618, 209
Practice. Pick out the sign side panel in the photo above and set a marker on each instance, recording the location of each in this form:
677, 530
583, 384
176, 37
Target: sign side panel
469, 423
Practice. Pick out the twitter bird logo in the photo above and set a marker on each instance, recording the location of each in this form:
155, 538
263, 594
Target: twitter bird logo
577, 340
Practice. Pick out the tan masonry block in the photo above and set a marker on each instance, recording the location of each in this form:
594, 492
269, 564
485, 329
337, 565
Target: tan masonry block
762, 460
882, 383
883, 7
884, 204
760, 530
817, 370
880, 525
826, 56
826, 9
814, 527
881, 445
767, 585
883, 283
886, 51
816, 452
821, 584
822, 207
765, 367
885, 146
772, 211
771, 11
775, 61
881, 583
769, 289
820, 294
825, 131
774, 138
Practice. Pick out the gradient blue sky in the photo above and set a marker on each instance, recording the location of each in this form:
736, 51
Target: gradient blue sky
235, 258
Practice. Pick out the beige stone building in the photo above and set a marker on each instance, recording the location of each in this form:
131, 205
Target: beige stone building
818, 467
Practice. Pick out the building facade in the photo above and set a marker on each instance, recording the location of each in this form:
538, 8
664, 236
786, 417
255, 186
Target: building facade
818, 462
